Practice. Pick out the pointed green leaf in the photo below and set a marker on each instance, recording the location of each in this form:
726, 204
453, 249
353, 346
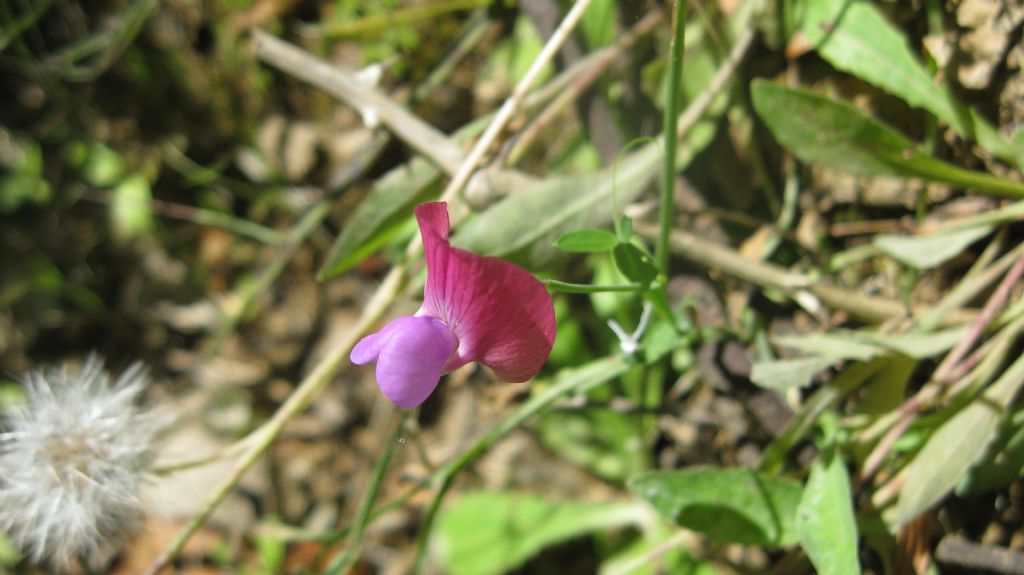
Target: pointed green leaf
926, 252
854, 37
587, 240
387, 205
726, 505
634, 264
918, 345
531, 219
834, 134
1003, 464
839, 345
956, 446
828, 531
783, 374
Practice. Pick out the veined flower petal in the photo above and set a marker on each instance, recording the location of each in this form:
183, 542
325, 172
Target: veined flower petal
411, 353
502, 315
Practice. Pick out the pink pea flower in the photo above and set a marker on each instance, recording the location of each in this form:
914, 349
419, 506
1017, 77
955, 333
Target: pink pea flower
475, 308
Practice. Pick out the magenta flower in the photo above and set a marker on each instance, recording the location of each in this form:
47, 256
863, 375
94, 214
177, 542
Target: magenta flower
475, 308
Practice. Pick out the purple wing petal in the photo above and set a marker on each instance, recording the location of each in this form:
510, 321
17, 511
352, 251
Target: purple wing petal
411, 358
370, 346
502, 315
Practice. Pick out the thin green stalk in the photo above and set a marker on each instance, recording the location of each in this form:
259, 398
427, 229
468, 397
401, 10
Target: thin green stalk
567, 287
344, 561
671, 116
407, 16
580, 380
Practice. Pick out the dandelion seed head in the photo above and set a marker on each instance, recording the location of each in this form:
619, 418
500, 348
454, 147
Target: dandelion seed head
73, 459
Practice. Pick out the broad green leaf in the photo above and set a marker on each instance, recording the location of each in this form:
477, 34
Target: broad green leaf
926, 252
833, 133
854, 37
531, 219
727, 505
634, 264
783, 374
586, 241
1003, 464
828, 531
918, 345
493, 532
863, 345
131, 210
1007, 213
387, 205
956, 446
839, 345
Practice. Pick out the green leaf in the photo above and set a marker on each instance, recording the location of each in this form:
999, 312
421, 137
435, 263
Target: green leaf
385, 208
918, 345
634, 264
726, 505
131, 211
566, 287
493, 532
855, 38
839, 345
818, 129
624, 229
586, 241
1003, 464
956, 446
530, 220
783, 374
828, 531
926, 252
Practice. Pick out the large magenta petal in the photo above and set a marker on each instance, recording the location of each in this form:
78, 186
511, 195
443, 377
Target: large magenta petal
411, 354
502, 315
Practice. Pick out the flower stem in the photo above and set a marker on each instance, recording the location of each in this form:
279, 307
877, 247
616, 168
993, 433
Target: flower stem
579, 380
671, 117
567, 287
344, 561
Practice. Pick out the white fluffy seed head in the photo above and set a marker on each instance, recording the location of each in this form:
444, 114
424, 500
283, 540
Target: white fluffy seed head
73, 458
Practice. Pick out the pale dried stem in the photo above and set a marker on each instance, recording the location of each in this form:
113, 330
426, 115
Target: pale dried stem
508, 109
950, 366
596, 65
716, 256
988, 313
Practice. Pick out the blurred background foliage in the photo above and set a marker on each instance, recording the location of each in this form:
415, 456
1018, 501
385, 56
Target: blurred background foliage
828, 376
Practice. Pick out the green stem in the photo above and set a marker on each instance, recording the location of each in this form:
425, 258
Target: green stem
671, 121
567, 287
580, 380
344, 561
